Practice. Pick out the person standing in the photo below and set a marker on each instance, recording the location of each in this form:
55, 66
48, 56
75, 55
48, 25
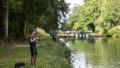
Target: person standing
33, 49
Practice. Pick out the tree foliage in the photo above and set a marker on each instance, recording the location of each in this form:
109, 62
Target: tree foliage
25, 15
104, 14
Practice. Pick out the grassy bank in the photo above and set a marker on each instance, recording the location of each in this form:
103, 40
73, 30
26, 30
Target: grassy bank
50, 55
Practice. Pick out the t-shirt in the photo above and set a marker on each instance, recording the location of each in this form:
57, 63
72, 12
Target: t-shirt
31, 37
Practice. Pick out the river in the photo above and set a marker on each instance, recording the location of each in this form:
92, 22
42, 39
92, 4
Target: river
94, 52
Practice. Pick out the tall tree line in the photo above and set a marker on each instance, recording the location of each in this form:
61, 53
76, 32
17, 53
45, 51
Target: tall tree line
24, 15
101, 14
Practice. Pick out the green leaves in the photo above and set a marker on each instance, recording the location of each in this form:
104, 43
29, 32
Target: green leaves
49, 12
25, 15
104, 14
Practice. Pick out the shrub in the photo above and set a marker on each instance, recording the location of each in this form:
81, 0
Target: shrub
115, 31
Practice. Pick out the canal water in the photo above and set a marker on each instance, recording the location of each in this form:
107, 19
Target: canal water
94, 52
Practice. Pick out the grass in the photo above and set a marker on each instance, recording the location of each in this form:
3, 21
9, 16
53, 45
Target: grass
50, 55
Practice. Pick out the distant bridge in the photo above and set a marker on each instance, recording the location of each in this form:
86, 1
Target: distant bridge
84, 34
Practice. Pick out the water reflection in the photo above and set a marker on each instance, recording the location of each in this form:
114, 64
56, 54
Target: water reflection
78, 60
98, 53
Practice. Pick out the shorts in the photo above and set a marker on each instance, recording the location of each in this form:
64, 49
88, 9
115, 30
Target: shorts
33, 51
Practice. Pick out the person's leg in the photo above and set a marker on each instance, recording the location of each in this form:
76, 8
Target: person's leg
35, 58
32, 60
32, 55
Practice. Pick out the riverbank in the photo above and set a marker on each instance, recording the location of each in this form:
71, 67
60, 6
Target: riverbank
84, 35
50, 55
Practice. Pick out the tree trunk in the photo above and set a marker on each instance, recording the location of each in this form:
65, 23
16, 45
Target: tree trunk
4, 18
23, 19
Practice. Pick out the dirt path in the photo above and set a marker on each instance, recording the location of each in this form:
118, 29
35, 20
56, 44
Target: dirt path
10, 49
7, 51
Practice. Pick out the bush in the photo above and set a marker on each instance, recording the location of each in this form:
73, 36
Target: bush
41, 33
115, 31
103, 31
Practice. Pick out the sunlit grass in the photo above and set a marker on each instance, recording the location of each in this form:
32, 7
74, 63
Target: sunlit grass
50, 55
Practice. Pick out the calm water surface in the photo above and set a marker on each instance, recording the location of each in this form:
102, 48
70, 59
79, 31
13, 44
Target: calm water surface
94, 52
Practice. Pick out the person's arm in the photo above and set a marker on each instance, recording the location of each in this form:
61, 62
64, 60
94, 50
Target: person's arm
32, 39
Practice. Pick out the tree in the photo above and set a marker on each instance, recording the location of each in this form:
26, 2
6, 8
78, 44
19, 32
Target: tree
4, 17
25, 15
104, 14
